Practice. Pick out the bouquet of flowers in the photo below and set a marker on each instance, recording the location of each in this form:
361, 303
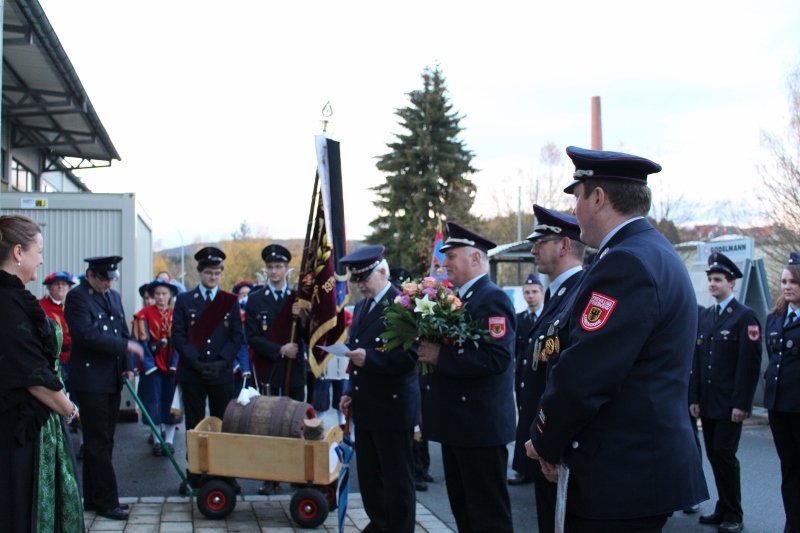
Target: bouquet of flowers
428, 309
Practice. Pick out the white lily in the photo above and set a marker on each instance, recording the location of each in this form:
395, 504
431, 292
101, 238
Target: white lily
424, 305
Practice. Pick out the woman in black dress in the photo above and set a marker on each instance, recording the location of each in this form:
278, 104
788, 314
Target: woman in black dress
38, 488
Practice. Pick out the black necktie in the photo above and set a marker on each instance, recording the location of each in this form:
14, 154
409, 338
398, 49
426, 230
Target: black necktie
365, 312
208, 296
547, 295
716, 312
791, 318
279, 296
107, 298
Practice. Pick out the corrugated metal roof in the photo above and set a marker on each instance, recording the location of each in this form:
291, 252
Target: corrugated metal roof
42, 96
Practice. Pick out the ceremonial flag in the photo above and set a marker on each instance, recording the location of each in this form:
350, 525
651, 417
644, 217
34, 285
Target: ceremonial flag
437, 270
322, 290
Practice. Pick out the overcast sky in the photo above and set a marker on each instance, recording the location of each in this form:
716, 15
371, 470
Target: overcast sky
213, 106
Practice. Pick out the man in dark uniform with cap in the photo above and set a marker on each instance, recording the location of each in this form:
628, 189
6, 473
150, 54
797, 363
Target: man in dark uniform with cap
614, 408
727, 360
207, 333
533, 293
383, 394
559, 255
275, 353
269, 316
469, 400
101, 343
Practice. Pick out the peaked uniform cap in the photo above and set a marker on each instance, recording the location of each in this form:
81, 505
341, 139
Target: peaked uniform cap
106, 266
719, 262
362, 262
209, 256
549, 222
600, 164
275, 253
533, 279
458, 235
794, 259
398, 275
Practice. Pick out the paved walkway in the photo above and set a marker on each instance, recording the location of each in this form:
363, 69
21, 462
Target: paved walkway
261, 514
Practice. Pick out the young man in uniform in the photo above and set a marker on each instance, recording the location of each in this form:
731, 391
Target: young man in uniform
614, 408
559, 255
469, 399
727, 360
207, 333
383, 393
99, 361
533, 293
272, 315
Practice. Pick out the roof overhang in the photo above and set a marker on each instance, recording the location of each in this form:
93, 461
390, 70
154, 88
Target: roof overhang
43, 98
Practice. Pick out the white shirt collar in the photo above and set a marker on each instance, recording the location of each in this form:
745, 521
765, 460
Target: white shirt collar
614, 232
462, 291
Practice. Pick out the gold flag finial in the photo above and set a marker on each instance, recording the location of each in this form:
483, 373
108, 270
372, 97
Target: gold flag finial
327, 112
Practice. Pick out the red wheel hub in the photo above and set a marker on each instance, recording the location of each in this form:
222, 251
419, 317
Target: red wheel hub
216, 500
307, 509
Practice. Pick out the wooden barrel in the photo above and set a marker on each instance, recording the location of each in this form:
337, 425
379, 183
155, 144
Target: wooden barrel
276, 416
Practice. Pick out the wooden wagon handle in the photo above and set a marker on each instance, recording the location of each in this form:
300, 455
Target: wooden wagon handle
347, 421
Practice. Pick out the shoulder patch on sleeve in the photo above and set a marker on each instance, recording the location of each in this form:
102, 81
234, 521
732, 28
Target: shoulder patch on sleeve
753, 332
541, 421
497, 326
597, 311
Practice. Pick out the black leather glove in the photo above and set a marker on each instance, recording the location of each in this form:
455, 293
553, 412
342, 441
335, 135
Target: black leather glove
196, 365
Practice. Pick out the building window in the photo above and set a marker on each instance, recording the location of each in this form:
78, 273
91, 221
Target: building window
21, 178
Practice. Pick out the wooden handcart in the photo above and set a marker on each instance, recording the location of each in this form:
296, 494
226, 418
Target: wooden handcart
217, 456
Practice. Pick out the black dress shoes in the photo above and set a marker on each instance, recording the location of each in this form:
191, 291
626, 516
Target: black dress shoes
520, 480
427, 478
692, 509
92, 507
730, 527
419, 485
114, 514
713, 518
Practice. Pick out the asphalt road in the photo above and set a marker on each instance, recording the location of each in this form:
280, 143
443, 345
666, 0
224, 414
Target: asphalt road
141, 474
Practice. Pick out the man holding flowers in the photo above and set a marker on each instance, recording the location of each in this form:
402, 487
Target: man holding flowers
384, 396
469, 402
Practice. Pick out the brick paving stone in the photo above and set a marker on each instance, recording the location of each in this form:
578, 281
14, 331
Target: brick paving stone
176, 527
145, 509
144, 519
104, 524
172, 507
141, 528
176, 516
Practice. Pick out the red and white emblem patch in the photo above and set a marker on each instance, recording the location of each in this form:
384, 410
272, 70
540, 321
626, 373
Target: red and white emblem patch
497, 326
597, 311
753, 332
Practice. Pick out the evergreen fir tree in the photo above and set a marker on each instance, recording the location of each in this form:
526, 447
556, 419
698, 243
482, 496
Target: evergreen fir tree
426, 182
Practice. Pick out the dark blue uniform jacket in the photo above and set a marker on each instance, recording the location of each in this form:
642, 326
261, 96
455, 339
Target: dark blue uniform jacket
385, 391
469, 398
614, 408
782, 385
222, 343
533, 381
262, 309
727, 361
99, 342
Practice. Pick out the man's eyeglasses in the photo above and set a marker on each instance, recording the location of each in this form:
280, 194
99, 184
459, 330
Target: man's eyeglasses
542, 241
